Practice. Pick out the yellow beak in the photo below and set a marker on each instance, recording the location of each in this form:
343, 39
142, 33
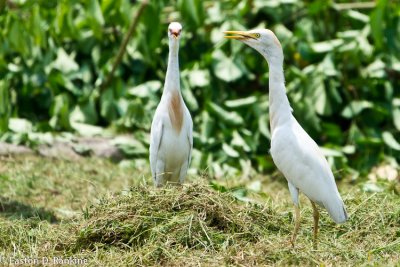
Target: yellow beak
239, 35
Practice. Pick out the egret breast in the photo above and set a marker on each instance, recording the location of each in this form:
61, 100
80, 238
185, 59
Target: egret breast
175, 111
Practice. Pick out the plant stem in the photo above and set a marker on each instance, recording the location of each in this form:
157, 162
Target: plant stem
122, 48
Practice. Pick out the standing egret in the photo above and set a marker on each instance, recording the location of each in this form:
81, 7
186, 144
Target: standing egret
293, 151
171, 140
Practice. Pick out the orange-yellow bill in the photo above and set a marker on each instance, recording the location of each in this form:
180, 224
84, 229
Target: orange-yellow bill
238, 35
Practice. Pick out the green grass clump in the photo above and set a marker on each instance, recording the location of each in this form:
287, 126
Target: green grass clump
155, 223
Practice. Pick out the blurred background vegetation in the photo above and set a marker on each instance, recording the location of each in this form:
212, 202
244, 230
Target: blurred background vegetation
342, 68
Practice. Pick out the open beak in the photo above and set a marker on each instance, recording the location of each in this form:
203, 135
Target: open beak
239, 35
175, 34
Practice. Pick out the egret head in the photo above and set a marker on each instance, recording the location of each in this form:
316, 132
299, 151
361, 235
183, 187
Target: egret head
174, 30
262, 40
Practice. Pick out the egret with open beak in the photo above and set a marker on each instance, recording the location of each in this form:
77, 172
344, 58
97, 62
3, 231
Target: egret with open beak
171, 140
293, 151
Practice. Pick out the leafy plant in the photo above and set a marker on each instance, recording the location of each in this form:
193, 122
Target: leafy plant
341, 64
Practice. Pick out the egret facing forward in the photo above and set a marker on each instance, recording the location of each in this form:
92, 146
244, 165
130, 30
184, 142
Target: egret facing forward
293, 151
171, 140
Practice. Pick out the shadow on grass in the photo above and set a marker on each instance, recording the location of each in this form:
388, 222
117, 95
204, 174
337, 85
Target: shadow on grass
16, 210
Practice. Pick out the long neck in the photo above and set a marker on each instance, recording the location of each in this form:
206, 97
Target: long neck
172, 78
279, 106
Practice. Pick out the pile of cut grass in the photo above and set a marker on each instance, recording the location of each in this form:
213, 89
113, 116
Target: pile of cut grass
196, 225
192, 225
158, 225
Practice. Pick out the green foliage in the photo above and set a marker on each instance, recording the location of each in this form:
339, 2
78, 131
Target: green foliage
342, 70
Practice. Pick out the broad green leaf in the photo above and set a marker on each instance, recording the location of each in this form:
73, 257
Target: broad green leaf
13, 67
242, 102
64, 62
108, 105
375, 70
86, 129
356, 15
326, 46
151, 34
238, 141
136, 114
396, 118
318, 94
350, 34
329, 152
395, 64
192, 10
377, 22
199, 78
95, 11
214, 13
263, 126
109, 6
188, 96
396, 102
60, 112
365, 46
37, 28
206, 127
229, 117
349, 149
17, 38
355, 107
230, 151
390, 140
283, 33
145, 89
85, 113
20, 125
327, 66
259, 4
225, 68
321, 104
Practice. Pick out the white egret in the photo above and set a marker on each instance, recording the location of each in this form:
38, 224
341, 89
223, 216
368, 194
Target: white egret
293, 151
171, 140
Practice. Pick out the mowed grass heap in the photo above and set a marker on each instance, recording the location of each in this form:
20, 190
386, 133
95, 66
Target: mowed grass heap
163, 224
98, 211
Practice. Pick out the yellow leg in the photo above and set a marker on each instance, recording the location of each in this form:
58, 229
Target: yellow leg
296, 225
316, 219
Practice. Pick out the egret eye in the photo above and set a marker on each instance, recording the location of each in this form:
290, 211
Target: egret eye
257, 35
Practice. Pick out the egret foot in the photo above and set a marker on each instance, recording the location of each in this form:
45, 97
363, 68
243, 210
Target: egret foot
316, 219
296, 224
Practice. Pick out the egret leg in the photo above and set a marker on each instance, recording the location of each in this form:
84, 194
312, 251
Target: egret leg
296, 225
316, 219
159, 176
174, 177
183, 172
